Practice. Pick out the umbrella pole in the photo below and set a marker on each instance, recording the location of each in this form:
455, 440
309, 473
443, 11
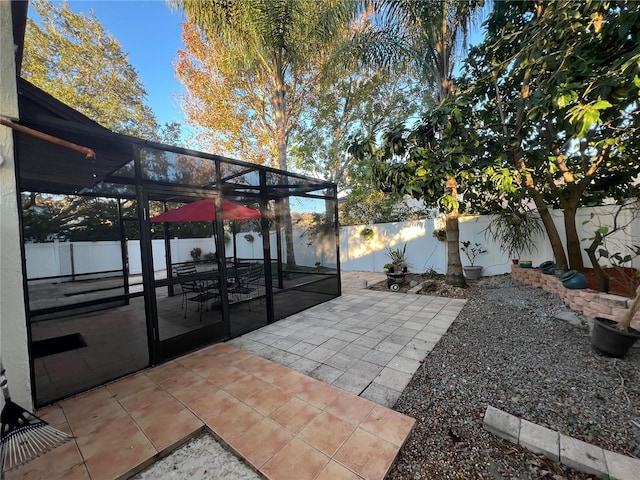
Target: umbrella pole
235, 251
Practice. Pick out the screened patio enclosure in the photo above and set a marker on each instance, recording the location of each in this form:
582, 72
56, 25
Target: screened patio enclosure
109, 292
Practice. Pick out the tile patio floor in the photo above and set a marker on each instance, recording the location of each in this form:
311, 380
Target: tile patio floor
271, 411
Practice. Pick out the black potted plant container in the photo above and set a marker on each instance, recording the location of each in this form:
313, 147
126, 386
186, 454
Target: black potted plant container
615, 339
609, 340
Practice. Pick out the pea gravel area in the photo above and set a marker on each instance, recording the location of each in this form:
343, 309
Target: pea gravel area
521, 350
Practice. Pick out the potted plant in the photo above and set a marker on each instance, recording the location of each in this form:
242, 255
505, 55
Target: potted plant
472, 271
440, 234
398, 258
396, 270
195, 253
367, 233
514, 228
616, 340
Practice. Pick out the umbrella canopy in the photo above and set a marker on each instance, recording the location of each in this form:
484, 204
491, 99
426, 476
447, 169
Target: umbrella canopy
205, 211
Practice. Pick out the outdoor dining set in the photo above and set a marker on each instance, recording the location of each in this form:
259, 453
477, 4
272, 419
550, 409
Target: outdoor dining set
203, 284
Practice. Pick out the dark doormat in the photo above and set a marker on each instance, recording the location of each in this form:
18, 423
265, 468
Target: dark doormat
50, 346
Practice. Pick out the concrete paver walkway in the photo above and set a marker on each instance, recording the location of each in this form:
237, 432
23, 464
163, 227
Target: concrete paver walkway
368, 343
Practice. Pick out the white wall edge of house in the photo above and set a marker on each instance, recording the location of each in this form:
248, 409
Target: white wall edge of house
13, 325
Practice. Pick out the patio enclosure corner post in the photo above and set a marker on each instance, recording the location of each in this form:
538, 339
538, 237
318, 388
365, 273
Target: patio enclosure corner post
336, 220
266, 248
124, 253
146, 260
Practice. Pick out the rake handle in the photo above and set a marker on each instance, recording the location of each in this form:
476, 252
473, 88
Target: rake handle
4, 384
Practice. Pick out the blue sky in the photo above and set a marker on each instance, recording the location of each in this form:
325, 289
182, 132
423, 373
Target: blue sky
149, 32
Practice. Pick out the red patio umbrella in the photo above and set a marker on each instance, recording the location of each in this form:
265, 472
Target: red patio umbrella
205, 211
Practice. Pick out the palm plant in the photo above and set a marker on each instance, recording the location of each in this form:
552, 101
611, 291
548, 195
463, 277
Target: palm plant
515, 228
398, 257
276, 40
428, 34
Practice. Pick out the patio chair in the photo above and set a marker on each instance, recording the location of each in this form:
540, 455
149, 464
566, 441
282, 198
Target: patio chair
249, 282
204, 290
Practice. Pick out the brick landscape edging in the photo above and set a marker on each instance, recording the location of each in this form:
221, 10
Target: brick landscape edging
586, 301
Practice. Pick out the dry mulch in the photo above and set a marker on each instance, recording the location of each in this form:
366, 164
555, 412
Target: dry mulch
432, 285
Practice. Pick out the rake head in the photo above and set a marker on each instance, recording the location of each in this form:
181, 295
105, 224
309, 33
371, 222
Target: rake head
25, 436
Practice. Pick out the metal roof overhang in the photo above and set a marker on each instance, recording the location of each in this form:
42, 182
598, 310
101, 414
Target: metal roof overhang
49, 168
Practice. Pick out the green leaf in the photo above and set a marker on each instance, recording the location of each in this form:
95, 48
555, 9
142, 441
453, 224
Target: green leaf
602, 104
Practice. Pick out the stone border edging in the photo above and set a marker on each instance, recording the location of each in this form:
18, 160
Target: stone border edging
560, 448
586, 301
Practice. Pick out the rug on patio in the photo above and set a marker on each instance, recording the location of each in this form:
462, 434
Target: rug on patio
51, 346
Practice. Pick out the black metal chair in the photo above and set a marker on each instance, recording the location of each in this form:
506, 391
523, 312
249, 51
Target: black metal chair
203, 290
248, 283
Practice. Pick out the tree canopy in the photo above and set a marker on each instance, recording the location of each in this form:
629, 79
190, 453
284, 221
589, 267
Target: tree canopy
557, 88
73, 58
269, 52
429, 36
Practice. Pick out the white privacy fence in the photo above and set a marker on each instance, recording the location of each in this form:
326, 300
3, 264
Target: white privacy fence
58, 259
425, 252
357, 253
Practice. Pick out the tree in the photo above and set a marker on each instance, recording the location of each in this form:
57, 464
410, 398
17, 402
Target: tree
62, 217
364, 206
440, 151
271, 48
74, 59
432, 33
558, 85
347, 105
351, 100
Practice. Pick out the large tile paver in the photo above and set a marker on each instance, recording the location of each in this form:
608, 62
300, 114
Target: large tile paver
318, 431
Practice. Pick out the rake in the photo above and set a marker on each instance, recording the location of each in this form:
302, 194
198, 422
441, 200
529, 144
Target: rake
24, 435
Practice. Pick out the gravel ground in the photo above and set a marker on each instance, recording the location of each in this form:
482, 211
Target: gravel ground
508, 349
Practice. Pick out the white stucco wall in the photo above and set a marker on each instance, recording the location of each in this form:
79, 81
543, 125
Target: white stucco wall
13, 330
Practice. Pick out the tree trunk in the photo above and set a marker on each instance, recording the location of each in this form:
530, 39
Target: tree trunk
550, 227
280, 112
573, 241
603, 280
454, 275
